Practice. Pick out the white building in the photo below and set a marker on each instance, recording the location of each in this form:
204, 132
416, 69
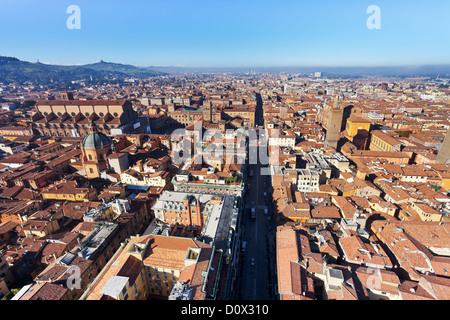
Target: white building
133, 177
308, 180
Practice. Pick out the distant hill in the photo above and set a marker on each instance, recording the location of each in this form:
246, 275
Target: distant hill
15, 70
127, 69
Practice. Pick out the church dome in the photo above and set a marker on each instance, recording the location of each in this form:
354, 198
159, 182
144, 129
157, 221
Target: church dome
95, 140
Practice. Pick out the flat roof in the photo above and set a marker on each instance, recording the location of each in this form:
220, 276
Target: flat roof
114, 286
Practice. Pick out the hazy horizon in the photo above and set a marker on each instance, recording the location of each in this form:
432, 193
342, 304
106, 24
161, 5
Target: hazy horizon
149, 65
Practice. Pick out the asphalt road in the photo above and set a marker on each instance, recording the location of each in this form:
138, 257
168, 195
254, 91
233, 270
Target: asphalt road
256, 282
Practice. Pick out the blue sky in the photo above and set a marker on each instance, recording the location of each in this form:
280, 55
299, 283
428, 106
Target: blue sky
228, 33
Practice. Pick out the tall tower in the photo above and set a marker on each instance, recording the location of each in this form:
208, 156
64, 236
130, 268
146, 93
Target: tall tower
443, 156
283, 111
66, 95
334, 124
207, 113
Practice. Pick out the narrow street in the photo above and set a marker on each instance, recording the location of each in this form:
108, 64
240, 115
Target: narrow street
257, 279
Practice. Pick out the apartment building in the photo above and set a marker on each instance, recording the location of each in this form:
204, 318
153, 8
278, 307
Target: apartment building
192, 209
150, 266
308, 180
282, 138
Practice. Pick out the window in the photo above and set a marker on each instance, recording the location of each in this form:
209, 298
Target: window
91, 170
90, 156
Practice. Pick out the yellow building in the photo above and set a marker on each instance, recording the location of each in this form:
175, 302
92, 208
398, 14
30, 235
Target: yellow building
13, 132
426, 213
151, 266
377, 204
357, 131
381, 141
39, 228
445, 182
362, 173
297, 212
355, 124
69, 191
